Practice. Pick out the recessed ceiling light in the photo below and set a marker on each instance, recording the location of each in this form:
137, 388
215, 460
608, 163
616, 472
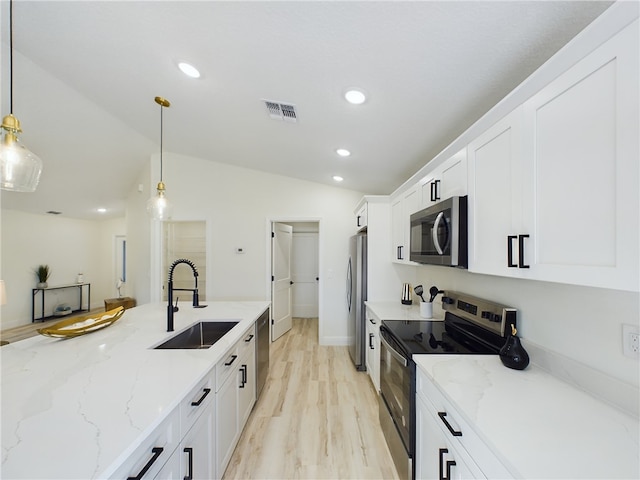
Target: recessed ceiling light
102, 210
343, 152
338, 178
189, 70
355, 96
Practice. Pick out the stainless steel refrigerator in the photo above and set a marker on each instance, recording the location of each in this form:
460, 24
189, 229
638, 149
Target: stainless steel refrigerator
356, 296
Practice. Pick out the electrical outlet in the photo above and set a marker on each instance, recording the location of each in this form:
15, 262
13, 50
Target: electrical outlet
631, 341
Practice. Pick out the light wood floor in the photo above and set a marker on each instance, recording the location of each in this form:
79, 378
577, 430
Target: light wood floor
317, 417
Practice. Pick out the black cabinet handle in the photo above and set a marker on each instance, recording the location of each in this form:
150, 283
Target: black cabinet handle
521, 263
189, 452
399, 252
433, 196
441, 453
455, 433
373, 322
290, 282
233, 359
249, 338
370, 341
157, 451
201, 399
449, 464
435, 190
358, 221
510, 240
243, 381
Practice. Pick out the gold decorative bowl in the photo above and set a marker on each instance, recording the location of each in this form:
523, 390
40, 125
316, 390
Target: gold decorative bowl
74, 327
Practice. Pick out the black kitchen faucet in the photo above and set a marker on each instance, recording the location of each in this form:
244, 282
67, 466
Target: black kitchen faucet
170, 308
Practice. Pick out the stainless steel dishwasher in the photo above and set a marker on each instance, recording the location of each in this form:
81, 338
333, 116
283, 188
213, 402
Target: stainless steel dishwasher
263, 351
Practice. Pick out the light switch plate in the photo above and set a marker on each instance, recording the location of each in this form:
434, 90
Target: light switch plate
631, 341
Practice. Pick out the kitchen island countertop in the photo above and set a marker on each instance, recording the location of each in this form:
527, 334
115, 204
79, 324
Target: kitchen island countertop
537, 425
77, 408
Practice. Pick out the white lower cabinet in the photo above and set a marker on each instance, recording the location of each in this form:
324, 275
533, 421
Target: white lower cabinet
235, 397
437, 457
149, 458
447, 447
373, 348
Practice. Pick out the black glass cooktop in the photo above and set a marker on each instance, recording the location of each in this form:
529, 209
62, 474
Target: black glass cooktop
454, 335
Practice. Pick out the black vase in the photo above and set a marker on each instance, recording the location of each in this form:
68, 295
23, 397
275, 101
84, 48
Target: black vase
513, 354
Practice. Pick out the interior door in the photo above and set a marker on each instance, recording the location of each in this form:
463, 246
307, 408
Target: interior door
304, 272
281, 281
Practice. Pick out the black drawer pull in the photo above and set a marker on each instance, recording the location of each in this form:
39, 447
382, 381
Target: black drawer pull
204, 395
249, 338
157, 451
373, 322
233, 359
371, 335
399, 252
455, 433
189, 451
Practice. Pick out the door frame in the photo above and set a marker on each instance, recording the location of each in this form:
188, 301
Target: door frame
286, 219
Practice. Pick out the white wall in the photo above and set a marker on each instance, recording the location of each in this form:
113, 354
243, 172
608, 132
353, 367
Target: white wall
581, 323
238, 205
68, 246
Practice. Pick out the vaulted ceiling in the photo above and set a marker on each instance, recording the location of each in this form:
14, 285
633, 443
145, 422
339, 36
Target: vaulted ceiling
86, 74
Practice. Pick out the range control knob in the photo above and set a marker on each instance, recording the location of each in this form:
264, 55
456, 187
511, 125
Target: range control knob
496, 317
486, 314
448, 300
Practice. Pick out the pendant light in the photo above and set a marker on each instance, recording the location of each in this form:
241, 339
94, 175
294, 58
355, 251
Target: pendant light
20, 168
158, 207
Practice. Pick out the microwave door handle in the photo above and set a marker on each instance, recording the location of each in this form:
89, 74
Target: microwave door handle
393, 353
434, 233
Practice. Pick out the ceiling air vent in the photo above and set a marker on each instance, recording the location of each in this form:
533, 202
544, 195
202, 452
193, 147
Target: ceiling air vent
281, 111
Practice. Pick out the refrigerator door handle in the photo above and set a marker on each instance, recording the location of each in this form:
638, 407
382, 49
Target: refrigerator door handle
349, 285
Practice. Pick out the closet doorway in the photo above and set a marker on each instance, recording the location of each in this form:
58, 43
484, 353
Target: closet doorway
303, 267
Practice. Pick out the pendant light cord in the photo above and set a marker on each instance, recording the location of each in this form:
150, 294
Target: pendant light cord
11, 56
161, 108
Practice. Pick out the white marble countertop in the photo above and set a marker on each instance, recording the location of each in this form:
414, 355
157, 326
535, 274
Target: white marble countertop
538, 426
76, 408
398, 311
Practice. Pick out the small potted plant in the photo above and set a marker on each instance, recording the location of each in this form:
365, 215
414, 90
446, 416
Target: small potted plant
43, 272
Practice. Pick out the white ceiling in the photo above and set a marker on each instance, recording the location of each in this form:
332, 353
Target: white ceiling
86, 73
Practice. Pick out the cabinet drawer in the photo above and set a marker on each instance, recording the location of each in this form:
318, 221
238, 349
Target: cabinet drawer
465, 437
247, 342
149, 458
227, 366
197, 401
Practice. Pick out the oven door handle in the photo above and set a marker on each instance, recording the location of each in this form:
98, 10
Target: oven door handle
434, 233
394, 354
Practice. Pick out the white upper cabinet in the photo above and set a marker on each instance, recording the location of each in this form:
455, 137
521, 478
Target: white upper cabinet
446, 181
402, 206
553, 187
495, 213
362, 217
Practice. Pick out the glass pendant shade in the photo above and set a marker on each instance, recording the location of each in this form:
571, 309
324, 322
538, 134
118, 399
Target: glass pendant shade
20, 168
158, 207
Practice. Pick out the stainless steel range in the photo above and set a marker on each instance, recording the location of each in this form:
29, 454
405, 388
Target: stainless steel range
471, 326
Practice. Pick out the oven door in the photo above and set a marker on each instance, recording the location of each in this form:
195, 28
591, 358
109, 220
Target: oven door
396, 390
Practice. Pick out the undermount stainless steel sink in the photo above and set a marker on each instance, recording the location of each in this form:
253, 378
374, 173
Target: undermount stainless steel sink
199, 335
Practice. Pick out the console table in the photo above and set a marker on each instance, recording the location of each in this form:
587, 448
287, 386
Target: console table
79, 286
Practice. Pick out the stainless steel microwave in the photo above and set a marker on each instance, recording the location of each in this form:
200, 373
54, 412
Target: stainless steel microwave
439, 234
